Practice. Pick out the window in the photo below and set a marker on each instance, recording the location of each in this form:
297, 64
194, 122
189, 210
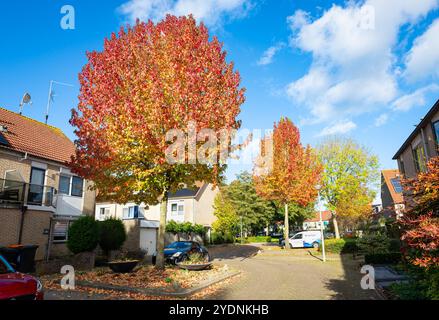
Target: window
64, 185
396, 183
419, 157
60, 231
298, 236
436, 131
71, 186
401, 166
104, 212
77, 184
131, 213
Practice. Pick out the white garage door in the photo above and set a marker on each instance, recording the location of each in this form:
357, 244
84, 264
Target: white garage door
148, 240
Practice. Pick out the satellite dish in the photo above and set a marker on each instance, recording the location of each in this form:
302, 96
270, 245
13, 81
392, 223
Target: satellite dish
25, 100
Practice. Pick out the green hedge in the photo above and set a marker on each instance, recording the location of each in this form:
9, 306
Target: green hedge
220, 238
256, 239
383, 258
340, 246
185, 227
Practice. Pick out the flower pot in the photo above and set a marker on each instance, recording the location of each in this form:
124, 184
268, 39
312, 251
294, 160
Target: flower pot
123, 266
194, 267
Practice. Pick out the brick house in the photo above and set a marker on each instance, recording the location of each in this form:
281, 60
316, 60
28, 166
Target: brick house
39, 195
391, 193
142, 221
314, 222
420, 146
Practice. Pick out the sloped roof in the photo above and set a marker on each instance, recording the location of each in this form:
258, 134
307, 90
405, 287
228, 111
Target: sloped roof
36, 138
326, 216
184, 193
424, 122
388, 176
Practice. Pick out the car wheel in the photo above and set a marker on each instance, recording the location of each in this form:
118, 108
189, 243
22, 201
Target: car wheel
183, 258
315, 245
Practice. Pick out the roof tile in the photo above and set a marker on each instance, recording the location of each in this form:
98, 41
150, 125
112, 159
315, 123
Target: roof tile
36, 138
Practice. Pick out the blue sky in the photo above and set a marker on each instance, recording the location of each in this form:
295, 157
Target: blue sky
364, 69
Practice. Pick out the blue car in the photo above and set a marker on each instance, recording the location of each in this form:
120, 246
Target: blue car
180, 250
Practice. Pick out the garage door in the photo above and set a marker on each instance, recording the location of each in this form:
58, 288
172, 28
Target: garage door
148, 240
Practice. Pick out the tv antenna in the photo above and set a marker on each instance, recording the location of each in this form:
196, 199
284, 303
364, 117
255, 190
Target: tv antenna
25, 100
52, 95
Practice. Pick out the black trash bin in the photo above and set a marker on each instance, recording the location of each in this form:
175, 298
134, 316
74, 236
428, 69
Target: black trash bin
22, 258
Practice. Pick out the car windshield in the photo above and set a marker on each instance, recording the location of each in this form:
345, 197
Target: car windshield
5, 267
179, 245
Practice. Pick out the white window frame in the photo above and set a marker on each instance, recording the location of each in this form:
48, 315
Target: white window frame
69, 222
70, 185
128, 215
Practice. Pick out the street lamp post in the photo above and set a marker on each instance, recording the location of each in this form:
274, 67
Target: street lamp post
318, 187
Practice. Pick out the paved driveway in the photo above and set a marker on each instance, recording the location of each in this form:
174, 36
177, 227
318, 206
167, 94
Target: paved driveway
277, 275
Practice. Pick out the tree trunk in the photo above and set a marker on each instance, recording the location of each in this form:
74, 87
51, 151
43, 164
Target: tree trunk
287, 229
160, 262
267, 233
334, 221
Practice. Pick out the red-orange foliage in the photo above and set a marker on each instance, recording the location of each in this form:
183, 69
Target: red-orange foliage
149, 79
421, 221
295, 170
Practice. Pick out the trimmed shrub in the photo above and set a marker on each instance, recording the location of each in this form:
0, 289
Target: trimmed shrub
83, 235
374, 243
340, 246
112, 234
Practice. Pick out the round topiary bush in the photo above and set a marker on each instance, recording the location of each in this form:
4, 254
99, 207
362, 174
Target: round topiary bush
83, 235
112, 234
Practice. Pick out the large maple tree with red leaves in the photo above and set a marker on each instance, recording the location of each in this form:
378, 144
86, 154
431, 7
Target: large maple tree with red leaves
421, 221
290, 173
150, 79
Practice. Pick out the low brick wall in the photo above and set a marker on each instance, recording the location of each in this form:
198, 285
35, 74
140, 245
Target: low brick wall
81, 262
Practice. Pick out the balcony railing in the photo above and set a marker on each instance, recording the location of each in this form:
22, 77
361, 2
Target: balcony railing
20, 193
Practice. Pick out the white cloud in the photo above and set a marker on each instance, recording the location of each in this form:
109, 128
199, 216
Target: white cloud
415, 99
341, 127
353, 69
211, 12
423, 58
381, 120
268, 55
298, 20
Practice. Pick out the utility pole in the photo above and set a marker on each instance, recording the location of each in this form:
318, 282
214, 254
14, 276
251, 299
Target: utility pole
242, 240
318, 187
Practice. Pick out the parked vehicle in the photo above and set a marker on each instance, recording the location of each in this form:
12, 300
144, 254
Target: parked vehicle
282, 239
180, 250
305, 239
18, 286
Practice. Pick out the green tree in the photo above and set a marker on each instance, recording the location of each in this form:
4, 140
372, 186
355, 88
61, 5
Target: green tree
227, 219
350, 172
240, 201
296, 214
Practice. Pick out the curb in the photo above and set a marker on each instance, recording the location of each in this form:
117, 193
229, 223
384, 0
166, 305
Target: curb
157, 292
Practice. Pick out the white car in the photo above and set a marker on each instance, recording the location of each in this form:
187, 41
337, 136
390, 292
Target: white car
306, 239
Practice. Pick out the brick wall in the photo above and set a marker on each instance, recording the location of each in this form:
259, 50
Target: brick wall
132, 228
9, 226
35, 223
